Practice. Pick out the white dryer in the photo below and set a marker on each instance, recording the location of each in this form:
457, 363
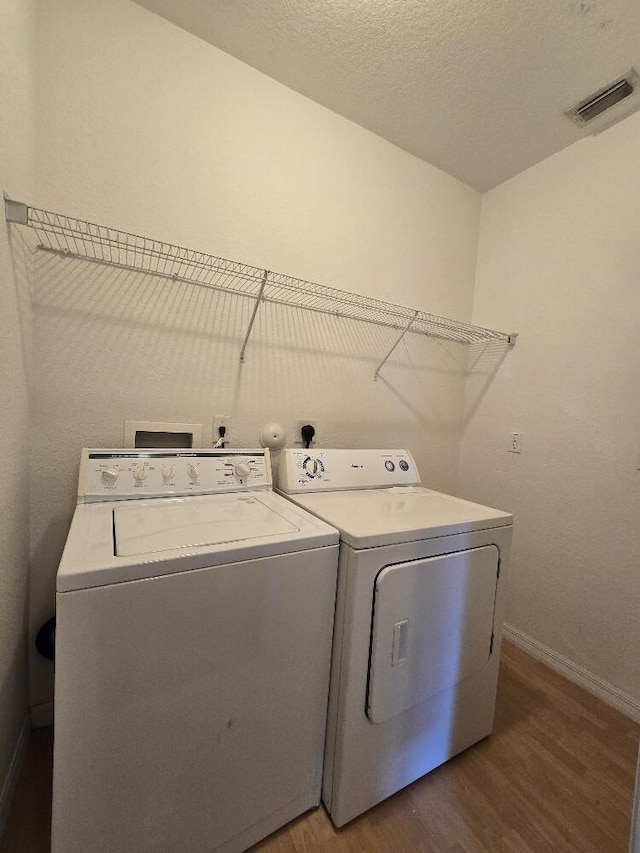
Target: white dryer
194, 621
418, 620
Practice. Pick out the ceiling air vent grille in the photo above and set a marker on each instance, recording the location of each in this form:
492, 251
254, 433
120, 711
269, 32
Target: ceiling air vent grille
603, 99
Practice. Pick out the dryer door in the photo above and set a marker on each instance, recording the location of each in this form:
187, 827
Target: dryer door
432, 627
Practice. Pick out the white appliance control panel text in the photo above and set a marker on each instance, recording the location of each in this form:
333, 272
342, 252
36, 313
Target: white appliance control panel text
126, 474
331, 470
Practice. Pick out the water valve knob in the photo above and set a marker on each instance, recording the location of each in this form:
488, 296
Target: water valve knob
109, 476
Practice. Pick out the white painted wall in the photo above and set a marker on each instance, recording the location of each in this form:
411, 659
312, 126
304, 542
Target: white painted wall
147, 128
16, 107
559, 261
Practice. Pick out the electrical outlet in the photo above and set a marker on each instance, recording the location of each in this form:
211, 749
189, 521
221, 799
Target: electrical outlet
298, 436
515, 445
221, 421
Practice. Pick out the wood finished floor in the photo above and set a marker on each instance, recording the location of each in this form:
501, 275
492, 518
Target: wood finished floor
556, 776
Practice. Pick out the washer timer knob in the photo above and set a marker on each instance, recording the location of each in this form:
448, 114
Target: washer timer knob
109, 476
241, 469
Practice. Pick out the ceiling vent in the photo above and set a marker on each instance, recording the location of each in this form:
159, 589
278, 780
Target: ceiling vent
603, 99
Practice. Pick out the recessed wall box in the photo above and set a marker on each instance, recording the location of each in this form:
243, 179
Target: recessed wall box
157, 434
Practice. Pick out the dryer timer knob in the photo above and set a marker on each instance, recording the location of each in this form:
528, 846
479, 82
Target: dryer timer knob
313, 468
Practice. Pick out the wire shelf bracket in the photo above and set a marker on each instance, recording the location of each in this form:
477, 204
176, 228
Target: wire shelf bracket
402, 334
70, 237
253, 315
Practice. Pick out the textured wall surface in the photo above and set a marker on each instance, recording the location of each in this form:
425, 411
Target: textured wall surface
149, 129
559, 261
16, 106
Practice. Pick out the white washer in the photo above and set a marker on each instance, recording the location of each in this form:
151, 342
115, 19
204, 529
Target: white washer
418, 620
194, 622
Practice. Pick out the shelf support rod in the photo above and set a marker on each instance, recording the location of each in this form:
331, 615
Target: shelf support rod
265, 275
402, 334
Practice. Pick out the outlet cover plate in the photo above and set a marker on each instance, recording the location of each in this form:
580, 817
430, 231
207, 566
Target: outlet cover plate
300, 422
218, 421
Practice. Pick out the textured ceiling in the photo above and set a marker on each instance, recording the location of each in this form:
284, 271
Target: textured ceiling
476, 87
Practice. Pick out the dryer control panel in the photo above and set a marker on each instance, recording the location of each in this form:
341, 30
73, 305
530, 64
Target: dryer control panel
333, 470
109, 475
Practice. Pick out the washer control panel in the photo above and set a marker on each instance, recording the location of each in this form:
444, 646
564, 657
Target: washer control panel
120, 474
329, 470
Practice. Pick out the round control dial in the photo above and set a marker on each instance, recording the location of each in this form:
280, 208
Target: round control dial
404, 465
109, 476
313, 467
193, 471
167, 472
241, 469
140, 473
389, 465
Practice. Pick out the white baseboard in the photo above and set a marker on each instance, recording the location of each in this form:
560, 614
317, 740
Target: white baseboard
9, 783
575, 673
42, 715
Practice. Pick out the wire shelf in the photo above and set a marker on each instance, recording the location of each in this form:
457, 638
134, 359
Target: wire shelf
77, 238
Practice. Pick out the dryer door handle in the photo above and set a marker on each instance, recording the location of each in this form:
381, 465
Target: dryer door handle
399, 649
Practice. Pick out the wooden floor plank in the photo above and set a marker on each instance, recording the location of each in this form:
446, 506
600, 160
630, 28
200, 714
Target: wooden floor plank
29, 822
556, 776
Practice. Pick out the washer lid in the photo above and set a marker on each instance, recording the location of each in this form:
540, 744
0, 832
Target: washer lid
368, 518
193, 523
119, 541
